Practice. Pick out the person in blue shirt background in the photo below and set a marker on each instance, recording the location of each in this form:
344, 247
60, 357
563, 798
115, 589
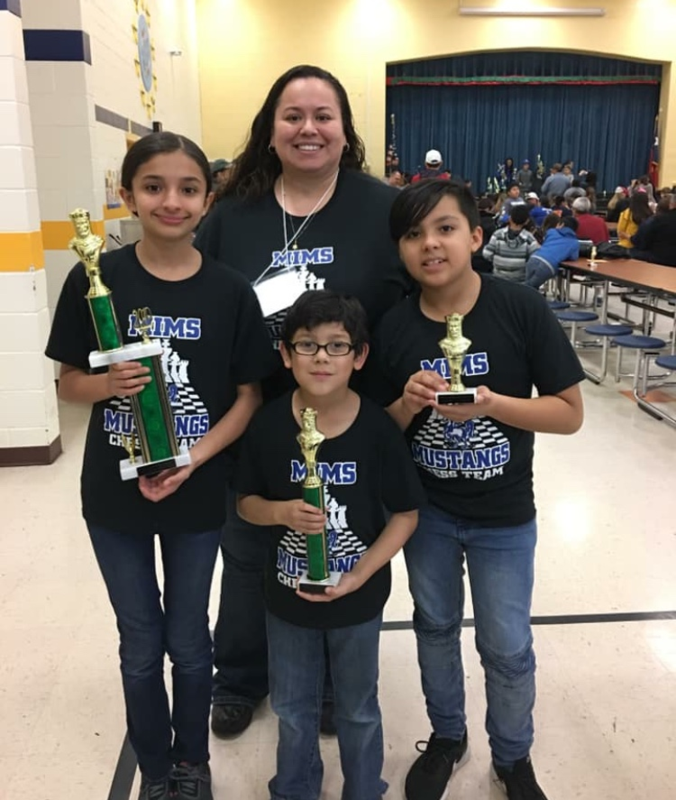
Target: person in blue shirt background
560, 244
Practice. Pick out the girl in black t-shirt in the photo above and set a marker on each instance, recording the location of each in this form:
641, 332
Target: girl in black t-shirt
215, 350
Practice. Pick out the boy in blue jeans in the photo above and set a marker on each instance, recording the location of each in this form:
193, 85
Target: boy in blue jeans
475, 461
365, 465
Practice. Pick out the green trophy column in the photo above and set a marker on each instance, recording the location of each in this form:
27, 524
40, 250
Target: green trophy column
152, 410
106, 325
309, 440
317, 551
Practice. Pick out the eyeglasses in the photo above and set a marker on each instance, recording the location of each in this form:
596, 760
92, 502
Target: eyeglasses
305, 347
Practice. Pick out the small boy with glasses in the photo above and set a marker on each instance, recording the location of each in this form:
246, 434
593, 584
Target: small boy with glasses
366, 467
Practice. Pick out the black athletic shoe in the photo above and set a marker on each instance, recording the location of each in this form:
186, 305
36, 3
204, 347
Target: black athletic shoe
327, 726
230, 719
191, 782
520, 783
154, 790
429, 776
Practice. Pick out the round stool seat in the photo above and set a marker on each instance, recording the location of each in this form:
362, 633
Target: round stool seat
609, 330
640, 342
558, 305
668, 362
577, 316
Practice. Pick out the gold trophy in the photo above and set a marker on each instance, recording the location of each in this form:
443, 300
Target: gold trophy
592, 257
317, 577
153, 419
454, 346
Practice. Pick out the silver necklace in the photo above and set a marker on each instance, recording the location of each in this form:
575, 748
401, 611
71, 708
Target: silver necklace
293, 241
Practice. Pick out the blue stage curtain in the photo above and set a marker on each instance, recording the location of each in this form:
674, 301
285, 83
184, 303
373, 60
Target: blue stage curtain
607, 129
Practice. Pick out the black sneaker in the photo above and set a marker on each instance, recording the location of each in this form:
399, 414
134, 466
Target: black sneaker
520, 783
327, 726
154, 790
230, 720
429, 776
191, 782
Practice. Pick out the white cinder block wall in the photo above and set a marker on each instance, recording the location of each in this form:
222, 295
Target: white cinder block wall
69, 98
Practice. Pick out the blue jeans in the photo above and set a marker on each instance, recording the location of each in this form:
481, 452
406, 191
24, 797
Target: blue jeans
500, 565
240, 637
150, 626
537, 272
297, 674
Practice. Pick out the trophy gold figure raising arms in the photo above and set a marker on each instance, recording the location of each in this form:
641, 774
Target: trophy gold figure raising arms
153, 420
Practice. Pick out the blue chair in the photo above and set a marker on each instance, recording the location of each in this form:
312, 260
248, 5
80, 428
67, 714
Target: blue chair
575, 317
665, 362
558, 305
606, 333
642, 345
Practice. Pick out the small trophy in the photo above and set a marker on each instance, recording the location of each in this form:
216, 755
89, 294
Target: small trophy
317, 577
153, 419
455, 346
592, 257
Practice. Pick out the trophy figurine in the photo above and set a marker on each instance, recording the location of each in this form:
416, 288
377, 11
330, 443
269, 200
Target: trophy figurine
153, 420
316, 577
454, 346
592, 257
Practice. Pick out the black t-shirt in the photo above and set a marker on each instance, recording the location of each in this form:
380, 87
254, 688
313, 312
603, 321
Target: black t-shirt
481, 470
366, 468
213, 338
345, 247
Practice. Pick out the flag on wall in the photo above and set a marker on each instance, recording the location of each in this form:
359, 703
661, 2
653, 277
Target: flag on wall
654, 164
392, 157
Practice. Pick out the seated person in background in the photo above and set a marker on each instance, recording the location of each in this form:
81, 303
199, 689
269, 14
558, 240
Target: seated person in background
560, 244
590, 194
395, 178
536, 211
617, 203
643, 184
488, 225
589, 226
513, 199
433, 162
655, 240
560, 207
557, 183
574, 191
524, 177
510, 248
639, 210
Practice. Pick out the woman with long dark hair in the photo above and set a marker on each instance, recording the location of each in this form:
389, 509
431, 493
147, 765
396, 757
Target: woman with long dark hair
631, 218
298, 213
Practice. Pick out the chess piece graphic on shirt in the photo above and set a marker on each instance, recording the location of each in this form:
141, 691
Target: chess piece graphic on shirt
317, 576
454, 346
153, 420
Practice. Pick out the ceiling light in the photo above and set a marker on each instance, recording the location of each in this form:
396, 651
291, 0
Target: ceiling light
482, 11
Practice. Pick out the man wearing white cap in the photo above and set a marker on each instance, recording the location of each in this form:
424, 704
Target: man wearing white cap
433, 162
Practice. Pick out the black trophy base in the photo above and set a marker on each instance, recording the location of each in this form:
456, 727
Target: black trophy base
307, 585
451, 398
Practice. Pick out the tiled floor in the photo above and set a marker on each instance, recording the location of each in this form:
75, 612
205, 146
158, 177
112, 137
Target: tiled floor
606, 711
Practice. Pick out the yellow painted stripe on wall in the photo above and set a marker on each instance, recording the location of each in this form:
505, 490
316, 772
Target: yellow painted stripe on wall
116, 213
21, 251
56, 235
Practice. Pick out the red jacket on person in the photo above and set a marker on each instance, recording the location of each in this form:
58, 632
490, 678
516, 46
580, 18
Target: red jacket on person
591, 227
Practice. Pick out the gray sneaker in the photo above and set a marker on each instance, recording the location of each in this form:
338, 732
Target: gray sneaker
191, 782
154, 790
